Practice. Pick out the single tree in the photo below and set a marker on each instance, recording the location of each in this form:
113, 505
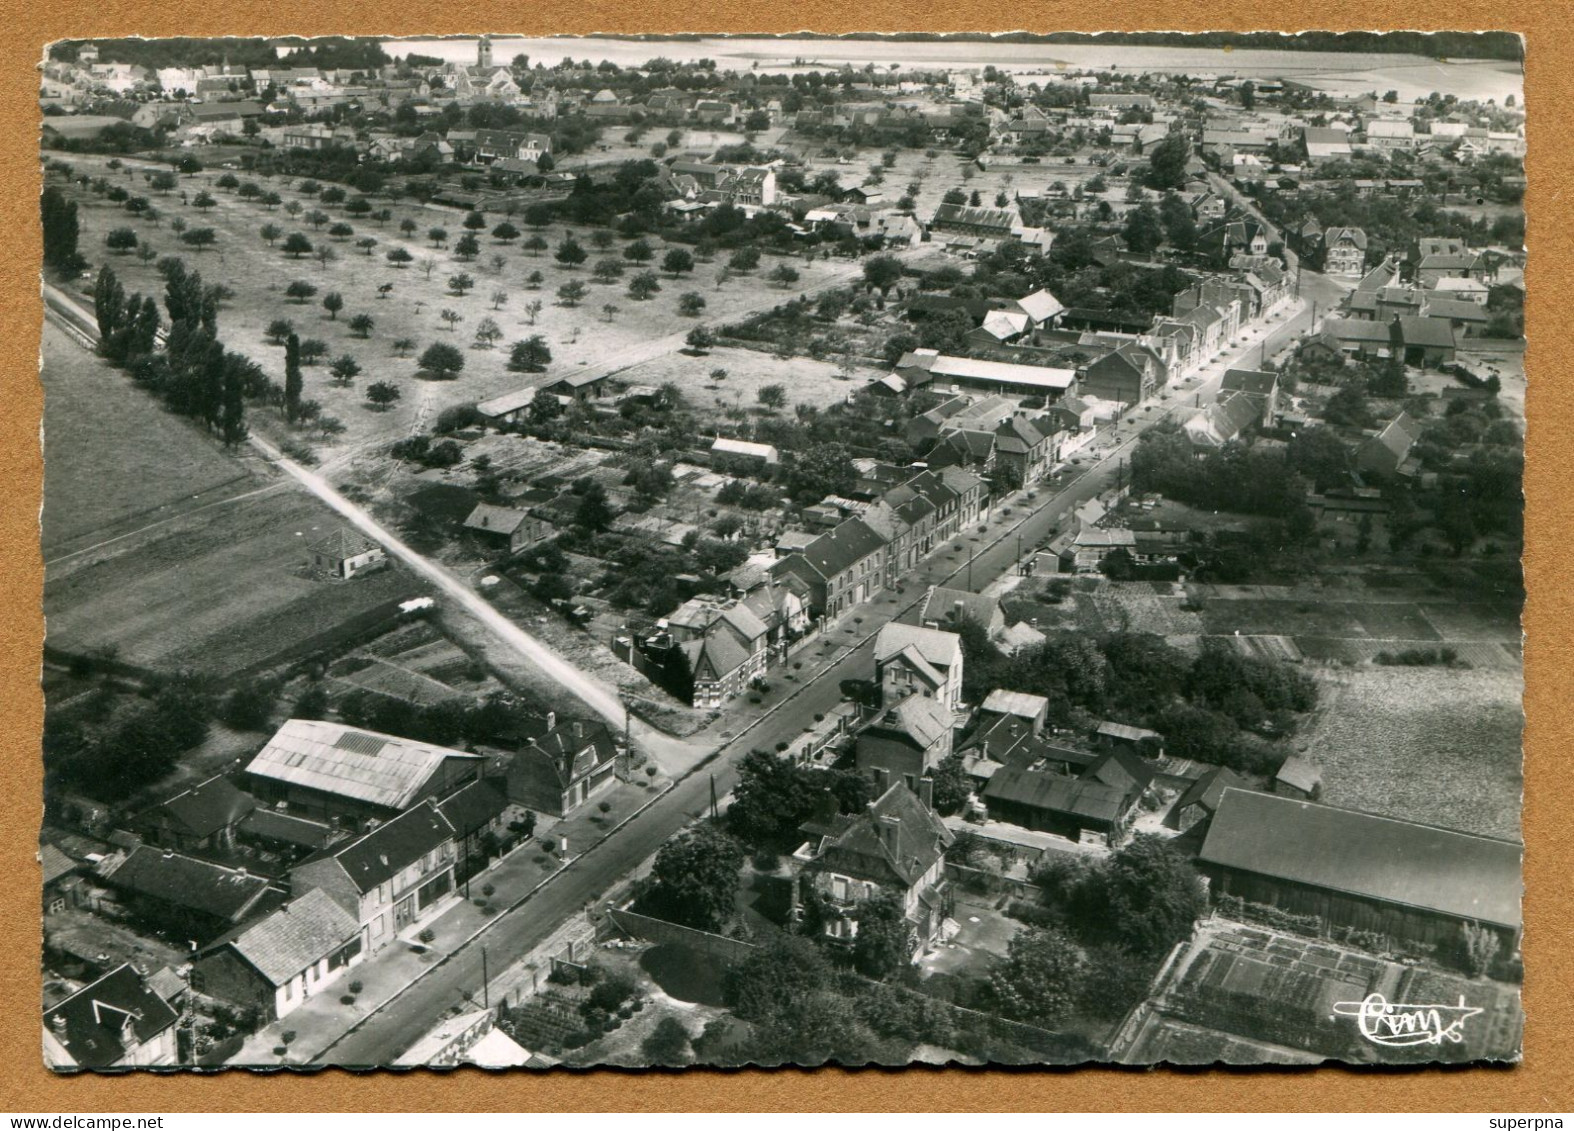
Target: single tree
382, 394
784, 275
403, 347
467, 248
772, 396
569, 253
530, 355
296, 245
571, 292
644, 286
639, 251
533, 310
300, 290
451, 316
278, 330
460, 283
333, 302
691, 303
442, 361
399, 257
700, 339
345, 370
677, 261
487, 332
695, 878
505, 233
271, 233
361, 325
121, 240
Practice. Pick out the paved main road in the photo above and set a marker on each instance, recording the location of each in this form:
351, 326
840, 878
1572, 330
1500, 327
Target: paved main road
382, 1036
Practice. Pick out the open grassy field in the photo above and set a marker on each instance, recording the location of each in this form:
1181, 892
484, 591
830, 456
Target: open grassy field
114, 459
818, 383
1426, 744
215, 594
582, 336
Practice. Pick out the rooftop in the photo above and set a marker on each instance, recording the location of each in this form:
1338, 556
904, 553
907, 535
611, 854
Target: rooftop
1444, 871
376, 768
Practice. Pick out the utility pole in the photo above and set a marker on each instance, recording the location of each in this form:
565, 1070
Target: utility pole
971, 551
486, 996
713, 806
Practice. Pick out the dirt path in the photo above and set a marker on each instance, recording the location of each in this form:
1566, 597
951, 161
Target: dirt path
595, 694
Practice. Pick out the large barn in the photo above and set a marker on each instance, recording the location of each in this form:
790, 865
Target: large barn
343, 773
1352, 869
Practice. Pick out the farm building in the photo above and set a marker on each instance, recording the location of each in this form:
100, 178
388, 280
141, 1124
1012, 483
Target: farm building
344, 553
925, 366
204, 816
344, 773
766, 453
184, 896
275, 963
1047, 800
1201, 799
1352, 869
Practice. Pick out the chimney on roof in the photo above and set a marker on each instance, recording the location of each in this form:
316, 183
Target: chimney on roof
551, 720
926, 791
888, 828
882, 780
579, 729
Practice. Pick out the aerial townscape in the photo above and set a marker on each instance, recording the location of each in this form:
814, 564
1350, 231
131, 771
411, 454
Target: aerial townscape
873, 550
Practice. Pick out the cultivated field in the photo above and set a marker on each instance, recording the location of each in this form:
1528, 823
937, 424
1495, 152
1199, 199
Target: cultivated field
114, 459
1427, 744
581, 337
215, 594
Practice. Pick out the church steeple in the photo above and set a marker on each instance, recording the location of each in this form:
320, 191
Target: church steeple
483, 51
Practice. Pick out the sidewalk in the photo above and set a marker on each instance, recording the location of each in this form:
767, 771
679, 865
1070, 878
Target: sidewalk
323, 1019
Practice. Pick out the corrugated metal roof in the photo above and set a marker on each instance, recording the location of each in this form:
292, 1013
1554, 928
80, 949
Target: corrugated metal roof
376, 768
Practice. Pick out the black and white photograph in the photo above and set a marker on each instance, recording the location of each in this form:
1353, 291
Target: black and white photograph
706, 550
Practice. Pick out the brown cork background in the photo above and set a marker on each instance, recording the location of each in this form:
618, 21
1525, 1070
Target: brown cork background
1544, 1082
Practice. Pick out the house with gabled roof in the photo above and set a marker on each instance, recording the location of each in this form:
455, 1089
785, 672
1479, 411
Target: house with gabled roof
948, 609
388, 879
345, 553
841, 568
1344, 252
507, 528
896, 845
118, 1021
1386, 452
1261, 385
344, 773
1130, 374
904, 743
910, 659
558, 772
275, 963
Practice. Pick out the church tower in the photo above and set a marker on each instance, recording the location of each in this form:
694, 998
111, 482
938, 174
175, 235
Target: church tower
483, 52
